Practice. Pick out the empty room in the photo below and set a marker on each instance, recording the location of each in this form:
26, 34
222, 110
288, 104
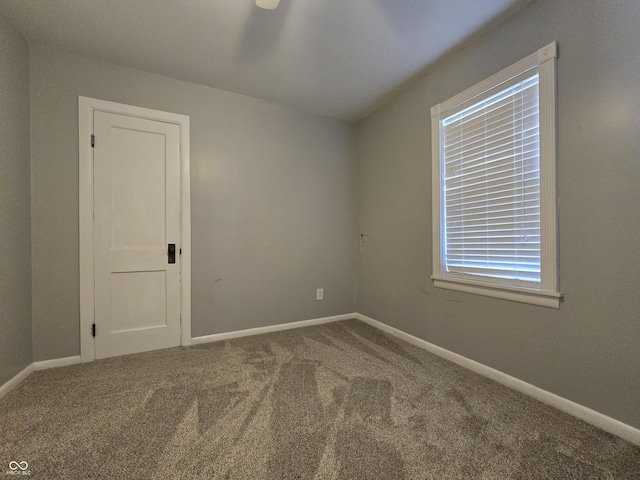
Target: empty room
330, 240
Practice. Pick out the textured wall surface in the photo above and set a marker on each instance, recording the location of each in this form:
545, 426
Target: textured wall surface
15, 204
588, 351
272, 210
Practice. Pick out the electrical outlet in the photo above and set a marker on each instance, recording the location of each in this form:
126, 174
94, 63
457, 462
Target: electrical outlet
320, 294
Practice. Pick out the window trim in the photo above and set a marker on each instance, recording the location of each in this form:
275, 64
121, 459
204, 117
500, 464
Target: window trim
548, 294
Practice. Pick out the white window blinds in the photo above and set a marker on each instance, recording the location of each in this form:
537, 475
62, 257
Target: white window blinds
491, 186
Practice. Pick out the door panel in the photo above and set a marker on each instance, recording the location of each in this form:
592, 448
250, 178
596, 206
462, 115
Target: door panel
136, 208
138, 189
141, 300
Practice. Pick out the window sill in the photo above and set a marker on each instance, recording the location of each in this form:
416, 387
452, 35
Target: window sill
533, 297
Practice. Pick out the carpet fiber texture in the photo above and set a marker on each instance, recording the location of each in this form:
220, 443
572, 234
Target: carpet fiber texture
336, 401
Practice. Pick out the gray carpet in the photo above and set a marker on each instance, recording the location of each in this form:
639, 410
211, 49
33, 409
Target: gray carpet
336, 401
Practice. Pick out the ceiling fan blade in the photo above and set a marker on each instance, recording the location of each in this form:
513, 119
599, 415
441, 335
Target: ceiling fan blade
267, 4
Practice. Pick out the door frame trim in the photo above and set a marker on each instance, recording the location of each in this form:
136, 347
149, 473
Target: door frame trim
86, 107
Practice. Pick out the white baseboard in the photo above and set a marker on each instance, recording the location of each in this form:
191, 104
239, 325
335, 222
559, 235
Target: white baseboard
588, 415
596, 419
56, 362
43, 365
272, 328
15, 381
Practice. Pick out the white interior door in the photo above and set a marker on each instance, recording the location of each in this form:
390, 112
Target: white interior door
136, 217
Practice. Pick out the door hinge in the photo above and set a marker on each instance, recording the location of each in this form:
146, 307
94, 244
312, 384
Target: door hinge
93, 141
180, 251
93, 329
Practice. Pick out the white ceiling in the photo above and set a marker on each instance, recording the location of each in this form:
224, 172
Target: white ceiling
333, 57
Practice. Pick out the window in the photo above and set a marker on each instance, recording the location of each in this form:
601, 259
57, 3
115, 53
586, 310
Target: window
494, 190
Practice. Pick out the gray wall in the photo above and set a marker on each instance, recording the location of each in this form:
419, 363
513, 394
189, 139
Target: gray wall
589, 350
15, 204
272, 210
